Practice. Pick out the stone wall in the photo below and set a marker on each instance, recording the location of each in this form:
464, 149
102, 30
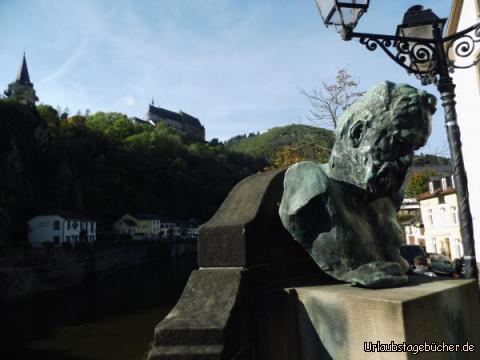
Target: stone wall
62, 268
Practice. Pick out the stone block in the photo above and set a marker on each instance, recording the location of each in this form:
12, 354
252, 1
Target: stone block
335, 321
240, 232
210, 320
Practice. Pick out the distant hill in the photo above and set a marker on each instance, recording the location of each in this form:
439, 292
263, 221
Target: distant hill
266, 145
303, 137
432, 163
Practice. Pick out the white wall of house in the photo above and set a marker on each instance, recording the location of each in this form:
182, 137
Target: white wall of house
442, 230
468, 103
58, 230
45, 228
414, 235
123, 227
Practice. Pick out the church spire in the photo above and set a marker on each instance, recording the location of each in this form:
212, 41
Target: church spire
22, 89
22, 76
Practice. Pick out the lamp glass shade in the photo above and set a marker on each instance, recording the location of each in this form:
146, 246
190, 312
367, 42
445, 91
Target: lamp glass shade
326, 8
419, 31
418, 23
342, 13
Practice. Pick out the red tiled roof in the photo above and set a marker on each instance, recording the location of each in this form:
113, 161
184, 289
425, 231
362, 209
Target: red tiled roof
428, 195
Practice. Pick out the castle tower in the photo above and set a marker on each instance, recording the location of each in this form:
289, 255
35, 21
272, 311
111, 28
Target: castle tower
22, 89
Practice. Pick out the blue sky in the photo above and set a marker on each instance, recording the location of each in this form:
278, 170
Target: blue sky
235, 64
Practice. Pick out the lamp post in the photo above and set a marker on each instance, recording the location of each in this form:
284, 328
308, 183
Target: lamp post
421, 49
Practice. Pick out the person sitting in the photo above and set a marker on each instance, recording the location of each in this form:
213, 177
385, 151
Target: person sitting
422, 267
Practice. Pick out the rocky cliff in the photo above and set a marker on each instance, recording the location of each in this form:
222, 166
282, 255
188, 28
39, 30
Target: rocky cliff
24, 143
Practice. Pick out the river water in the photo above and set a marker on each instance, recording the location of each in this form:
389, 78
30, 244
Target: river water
111, 319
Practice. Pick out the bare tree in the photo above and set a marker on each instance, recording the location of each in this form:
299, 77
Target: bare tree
330, 100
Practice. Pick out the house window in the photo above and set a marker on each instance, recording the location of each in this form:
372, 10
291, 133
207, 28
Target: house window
430, 216
56, 225
434, 242
453, 214
444, 183
67, 239
444, 215
68, 225
56, 240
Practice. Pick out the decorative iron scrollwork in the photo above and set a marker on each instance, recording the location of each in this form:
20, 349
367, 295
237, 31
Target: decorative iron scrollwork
416, 56
420, 56
461, 46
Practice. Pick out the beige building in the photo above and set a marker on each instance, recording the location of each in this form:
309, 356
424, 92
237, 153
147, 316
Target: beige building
465, 13
150, 226
139, 226
439, 212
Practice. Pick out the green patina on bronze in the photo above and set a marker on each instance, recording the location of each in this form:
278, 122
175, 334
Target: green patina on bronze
344, 212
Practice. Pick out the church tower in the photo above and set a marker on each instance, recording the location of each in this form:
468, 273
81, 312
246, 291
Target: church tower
22, 89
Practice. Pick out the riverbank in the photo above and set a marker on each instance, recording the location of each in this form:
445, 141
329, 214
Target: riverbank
25, 273
112, 318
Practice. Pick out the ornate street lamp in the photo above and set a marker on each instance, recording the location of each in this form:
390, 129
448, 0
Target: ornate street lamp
420, 48
342, 14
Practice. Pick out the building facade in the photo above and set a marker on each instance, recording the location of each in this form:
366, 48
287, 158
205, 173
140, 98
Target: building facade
465, 13
411, 220
180, 121
142, 226
61, 227
21, 89
153, 227
439, 210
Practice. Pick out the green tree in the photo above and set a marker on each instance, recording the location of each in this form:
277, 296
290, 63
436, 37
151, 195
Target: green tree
418, 183
285, 157
50, 115
113, 124
76, 120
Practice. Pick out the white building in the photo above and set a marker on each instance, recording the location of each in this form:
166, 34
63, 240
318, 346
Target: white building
61, 227
409, 207
465, 13
414, 231
147, 226
439, 209
410, 219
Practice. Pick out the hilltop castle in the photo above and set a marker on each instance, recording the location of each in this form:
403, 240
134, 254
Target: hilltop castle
179, 121
22, 89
